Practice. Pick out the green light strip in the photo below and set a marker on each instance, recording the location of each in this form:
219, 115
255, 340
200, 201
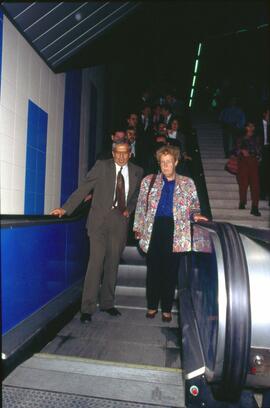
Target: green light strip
194, 75
199, 49
196, 66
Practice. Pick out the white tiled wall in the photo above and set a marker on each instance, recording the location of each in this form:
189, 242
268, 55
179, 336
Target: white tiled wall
26, 76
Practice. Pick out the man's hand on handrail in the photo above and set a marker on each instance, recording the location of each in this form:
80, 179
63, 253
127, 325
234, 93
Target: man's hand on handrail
58, 212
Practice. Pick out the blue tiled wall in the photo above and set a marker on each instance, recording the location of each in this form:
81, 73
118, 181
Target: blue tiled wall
38, 263
35, 159
71, 134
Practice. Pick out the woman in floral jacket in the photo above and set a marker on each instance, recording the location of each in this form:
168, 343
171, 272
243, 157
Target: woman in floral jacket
162, 224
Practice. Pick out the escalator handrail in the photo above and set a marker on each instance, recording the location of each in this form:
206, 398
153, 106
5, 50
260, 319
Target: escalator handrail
198, 173
238, 320
20, 220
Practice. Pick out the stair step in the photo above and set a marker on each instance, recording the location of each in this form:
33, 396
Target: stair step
133, 256
254, 222
215, 160
101, 379
222, 187
233, 203
230, 195
131, 275
239, 214
222, 179
219, 173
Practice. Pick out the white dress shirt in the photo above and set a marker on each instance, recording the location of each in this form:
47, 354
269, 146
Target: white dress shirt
172, 134
126, 178
133, 150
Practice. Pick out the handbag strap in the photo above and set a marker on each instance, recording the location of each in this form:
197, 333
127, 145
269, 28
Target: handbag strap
152, 181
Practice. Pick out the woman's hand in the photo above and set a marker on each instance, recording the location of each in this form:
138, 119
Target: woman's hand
137, 235
58, 212
199, 217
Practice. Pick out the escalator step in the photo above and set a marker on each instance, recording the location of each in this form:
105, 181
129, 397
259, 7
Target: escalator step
77, 378
13, 397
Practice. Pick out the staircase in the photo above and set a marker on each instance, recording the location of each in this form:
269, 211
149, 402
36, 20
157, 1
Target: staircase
119, 362
222, 186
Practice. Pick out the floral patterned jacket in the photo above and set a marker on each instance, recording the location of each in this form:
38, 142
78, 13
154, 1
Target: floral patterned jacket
185, 201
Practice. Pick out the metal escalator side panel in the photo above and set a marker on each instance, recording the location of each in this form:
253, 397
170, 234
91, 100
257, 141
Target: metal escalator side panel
258, 261
238, 322
203, 305
216, 374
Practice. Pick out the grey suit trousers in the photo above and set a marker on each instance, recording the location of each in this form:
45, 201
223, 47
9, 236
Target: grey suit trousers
106, 246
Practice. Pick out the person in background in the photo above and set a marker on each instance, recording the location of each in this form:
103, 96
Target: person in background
176, 138
263, 134
145, 120
137, 148
156, 117
162, 224
132, 120
248, 155
159, 139
115, 184
232, 120
117, 134
167, 114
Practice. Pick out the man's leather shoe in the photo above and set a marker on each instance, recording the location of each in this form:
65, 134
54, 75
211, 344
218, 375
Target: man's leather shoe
255, 211
86, 318
242, 206
112, 311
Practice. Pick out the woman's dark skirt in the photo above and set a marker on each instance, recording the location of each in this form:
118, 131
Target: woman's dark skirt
162, 266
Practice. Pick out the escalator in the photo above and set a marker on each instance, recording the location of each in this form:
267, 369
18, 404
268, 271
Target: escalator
224, 310
215, 353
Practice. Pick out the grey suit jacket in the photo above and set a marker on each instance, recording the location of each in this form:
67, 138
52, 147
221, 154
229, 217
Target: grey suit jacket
101, 181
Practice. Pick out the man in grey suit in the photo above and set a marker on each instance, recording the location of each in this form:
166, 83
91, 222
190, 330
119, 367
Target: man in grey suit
107, 224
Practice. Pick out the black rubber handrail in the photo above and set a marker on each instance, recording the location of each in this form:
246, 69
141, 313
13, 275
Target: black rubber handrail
18, 220
238, 320
198, 173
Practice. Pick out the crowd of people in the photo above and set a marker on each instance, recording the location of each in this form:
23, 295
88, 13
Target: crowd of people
159, 121
151, 144
142, 180
247, 141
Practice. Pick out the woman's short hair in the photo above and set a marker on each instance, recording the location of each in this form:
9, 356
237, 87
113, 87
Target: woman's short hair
164, 150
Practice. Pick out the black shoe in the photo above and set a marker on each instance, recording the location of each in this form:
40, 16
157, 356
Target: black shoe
242, 206
151, 315
255, 211
167, 318
85, 318
112, 311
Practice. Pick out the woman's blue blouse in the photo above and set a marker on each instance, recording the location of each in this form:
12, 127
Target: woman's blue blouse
165, 205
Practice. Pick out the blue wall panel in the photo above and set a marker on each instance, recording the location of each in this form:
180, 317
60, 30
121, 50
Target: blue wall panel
71, 134
37, 264
35, 159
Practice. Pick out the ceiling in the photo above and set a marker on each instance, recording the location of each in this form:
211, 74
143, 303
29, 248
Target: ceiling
73, 35
58, 30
